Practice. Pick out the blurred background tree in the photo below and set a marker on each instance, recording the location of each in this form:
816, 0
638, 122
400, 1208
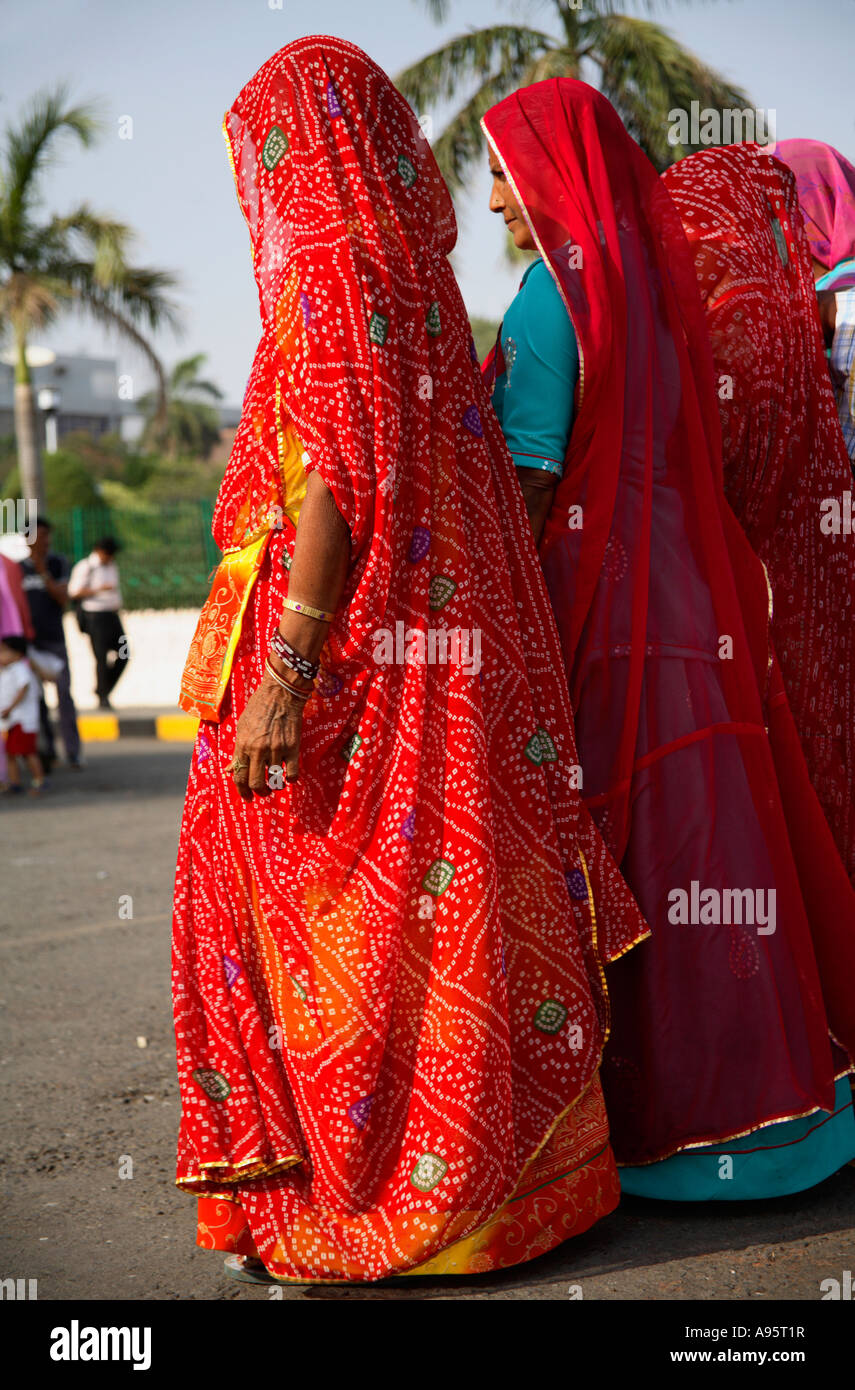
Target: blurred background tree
77, 260
484, 331
191, 423
642, 69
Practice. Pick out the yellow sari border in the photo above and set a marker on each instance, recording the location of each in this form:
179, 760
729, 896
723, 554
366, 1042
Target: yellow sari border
209, 661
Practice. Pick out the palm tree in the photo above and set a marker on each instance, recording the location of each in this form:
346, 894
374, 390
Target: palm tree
640, 67
78, 260
190, 425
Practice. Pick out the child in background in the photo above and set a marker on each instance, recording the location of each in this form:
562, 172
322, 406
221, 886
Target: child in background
19, 713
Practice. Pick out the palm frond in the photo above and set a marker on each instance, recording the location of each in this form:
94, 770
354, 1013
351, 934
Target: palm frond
184, 378
439, 76
32, 145
205, 388
108, 239
646, 73
32, 300
437, 9
555, 62
461, 144
134, 301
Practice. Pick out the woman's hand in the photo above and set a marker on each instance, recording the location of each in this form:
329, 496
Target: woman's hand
268, 733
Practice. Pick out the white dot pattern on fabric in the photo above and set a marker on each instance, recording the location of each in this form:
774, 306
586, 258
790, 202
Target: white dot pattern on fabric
369, 905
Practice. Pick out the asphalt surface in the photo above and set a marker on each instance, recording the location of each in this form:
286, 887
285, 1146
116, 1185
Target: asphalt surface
81, 1095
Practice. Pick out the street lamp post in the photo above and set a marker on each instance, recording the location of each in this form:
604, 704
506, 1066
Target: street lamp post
49, 401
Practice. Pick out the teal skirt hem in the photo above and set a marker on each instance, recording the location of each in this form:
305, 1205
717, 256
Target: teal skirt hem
772, 1162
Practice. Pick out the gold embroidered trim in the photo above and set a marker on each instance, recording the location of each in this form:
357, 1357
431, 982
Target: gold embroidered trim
771, 600
741, 1134
262, 1169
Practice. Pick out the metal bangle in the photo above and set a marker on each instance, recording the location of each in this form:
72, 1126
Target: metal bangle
301, 695
310, 612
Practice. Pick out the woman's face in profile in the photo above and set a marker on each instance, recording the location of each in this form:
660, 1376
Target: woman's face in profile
502, 200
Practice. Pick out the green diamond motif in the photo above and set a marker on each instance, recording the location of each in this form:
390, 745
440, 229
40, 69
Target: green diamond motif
213, 1083
548, 751
354, 743
434, 323
441, 589
534, 750
430, 1170
378, 328
780, 240
406, 170
275, 146
550, 1016
438, 877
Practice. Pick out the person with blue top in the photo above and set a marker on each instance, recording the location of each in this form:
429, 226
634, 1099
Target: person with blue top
826, 184
726, 1073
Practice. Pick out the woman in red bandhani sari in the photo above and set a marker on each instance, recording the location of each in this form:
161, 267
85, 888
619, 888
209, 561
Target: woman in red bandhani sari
389, 997
733, 1026
785, 462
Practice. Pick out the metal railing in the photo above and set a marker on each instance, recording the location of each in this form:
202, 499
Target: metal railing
167, 556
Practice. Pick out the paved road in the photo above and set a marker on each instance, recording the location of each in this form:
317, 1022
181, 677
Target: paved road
80, 987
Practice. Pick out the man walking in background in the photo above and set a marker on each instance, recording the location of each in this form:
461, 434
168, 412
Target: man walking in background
44, 578
95, 581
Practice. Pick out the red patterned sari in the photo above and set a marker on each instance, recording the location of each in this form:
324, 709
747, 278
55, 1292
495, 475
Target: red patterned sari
783, 448
388, 984
724, 1022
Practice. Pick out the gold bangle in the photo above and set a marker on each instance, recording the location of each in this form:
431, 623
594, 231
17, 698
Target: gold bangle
309, 612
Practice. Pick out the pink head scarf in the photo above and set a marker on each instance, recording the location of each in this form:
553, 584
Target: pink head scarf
826, 183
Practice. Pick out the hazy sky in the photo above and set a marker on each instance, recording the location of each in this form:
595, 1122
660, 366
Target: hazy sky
175, 66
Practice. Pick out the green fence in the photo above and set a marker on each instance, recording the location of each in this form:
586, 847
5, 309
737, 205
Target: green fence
166, 558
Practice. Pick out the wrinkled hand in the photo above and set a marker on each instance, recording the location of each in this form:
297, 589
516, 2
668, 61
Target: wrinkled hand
268, 733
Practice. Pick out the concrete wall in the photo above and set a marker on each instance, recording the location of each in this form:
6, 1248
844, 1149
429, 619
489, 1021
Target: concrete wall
159, 642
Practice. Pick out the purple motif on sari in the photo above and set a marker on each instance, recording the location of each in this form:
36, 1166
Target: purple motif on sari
232, 969
472, 422
360, 1110
576, 885
333, 104
420, 544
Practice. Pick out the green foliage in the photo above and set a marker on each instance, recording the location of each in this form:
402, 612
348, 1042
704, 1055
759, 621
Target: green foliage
86, 472
500, 56
104, 456
68, 483
8, 453
191, 424
167, 551
138, 469
78, 259
484, 332
181, 480
118, 497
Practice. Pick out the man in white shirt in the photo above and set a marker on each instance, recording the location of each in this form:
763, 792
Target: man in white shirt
95, 582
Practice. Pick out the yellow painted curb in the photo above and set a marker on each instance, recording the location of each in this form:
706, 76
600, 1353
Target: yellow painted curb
176, 728
95, 727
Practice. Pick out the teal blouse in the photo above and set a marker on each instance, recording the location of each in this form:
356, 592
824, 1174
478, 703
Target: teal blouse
534, 396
